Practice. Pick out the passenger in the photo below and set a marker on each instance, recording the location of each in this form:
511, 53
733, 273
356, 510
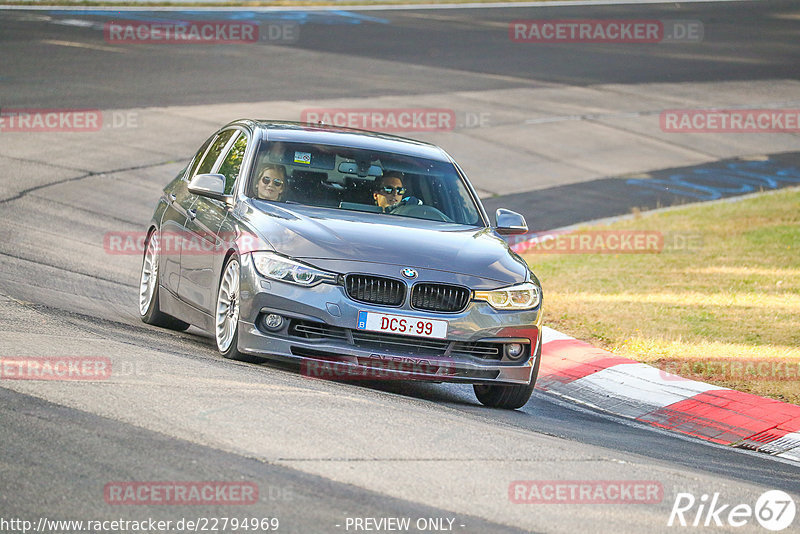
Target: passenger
271, 183
389, 190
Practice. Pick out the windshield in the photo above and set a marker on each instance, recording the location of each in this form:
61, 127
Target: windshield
362, 180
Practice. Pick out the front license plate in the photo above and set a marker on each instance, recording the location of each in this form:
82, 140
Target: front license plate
401, 324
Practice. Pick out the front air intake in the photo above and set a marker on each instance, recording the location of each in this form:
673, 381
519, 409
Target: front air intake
375, 289
439, 297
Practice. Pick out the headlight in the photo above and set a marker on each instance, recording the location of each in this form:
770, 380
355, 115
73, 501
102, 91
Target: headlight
522, 297
271, 265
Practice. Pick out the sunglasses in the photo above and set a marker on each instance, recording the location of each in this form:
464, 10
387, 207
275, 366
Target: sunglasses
277, 181
393, 190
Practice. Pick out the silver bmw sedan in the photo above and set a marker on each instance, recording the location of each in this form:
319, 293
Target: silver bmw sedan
357, 254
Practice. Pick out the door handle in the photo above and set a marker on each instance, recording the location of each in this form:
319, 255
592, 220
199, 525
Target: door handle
192, 213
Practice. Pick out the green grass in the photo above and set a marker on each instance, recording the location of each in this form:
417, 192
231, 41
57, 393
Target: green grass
732, 296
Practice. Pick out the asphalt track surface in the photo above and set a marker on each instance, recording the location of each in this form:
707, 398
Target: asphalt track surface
469, 48
319, 451
616, 196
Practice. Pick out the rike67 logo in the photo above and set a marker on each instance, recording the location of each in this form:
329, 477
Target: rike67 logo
774, 510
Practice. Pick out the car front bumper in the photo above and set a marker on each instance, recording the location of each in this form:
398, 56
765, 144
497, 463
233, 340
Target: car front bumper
319, 332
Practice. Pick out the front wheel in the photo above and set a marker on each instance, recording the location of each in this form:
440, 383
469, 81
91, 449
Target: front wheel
506, 397
226, 320
509, 397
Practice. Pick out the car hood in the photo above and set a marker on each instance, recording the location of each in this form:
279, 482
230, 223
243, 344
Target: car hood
310, 233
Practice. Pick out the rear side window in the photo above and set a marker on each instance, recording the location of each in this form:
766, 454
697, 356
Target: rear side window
214, 151
198, 158
233, 162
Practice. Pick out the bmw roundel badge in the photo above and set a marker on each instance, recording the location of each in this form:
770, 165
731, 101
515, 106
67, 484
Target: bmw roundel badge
409, 273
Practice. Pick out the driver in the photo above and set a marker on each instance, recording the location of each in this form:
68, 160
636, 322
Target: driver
389, 190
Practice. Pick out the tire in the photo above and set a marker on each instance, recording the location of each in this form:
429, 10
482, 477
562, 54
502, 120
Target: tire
226, 314
148, 289
509, 397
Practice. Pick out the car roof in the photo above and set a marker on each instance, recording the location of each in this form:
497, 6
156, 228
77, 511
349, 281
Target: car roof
347, 137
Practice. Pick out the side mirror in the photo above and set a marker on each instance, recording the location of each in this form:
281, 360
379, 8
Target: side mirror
510, 222
209, 185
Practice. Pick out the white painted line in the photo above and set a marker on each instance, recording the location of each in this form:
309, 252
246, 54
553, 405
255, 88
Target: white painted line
597, 395
645, 384
793, 454
74, 44
790, 443
548, 335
